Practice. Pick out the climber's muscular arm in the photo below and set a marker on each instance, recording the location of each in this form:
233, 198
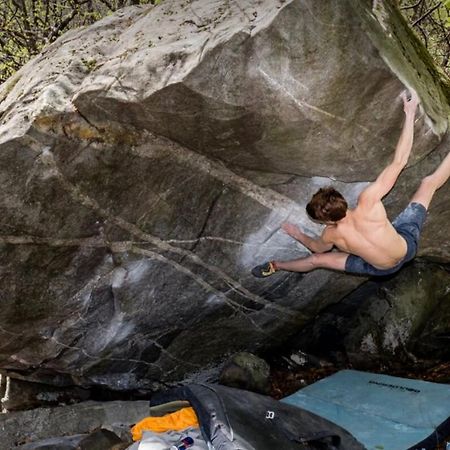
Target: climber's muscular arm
316, 245
387, 178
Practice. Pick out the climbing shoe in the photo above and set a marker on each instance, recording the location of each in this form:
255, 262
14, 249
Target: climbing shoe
264, 270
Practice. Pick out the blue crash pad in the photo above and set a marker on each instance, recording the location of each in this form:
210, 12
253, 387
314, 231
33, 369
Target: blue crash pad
380, 411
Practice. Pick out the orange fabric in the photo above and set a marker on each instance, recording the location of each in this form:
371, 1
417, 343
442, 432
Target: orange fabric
179, 420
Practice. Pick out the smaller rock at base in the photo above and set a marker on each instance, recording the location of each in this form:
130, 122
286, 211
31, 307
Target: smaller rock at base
246, 371
102, 439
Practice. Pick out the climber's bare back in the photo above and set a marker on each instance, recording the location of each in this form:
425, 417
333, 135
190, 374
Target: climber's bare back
369, 243
367, 232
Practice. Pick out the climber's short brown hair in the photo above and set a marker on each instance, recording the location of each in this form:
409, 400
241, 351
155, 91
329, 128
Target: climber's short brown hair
327, 205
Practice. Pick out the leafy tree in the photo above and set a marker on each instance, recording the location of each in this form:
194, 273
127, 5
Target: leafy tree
26, 26
431, 20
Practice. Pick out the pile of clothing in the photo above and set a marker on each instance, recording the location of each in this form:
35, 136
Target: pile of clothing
169, 432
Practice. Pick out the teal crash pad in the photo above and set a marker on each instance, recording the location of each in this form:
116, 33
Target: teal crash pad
380, 411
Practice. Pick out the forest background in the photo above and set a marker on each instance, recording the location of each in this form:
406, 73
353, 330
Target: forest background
27, 26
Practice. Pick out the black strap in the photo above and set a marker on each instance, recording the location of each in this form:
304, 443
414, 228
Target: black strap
318, 438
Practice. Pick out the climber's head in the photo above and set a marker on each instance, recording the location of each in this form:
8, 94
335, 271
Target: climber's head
327, 205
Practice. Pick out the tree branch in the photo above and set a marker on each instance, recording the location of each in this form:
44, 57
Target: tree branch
426, 14
412, 6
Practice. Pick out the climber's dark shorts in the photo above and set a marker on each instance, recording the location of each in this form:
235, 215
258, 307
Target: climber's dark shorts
408, 225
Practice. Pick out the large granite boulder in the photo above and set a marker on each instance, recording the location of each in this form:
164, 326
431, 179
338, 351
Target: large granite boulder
147, 162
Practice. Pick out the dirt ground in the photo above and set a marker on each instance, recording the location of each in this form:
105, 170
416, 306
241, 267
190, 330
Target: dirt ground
285, 381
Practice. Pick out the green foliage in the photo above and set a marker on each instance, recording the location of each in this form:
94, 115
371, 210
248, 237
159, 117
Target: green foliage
27, 26
431, 20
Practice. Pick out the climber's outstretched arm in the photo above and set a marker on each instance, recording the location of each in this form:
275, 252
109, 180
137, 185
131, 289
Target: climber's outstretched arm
387, 178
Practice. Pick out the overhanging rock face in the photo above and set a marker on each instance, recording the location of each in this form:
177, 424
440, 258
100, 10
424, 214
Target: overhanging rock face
147, 162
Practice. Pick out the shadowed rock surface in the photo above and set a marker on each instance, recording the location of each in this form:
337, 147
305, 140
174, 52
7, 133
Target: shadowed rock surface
401, 319
24, 427
17, 394
147, 162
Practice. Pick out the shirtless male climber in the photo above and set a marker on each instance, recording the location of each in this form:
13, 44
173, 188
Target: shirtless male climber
369, 243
